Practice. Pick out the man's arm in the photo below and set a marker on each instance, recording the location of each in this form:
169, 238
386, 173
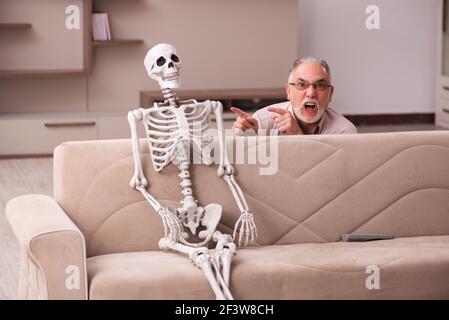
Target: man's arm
349, 128
243, 122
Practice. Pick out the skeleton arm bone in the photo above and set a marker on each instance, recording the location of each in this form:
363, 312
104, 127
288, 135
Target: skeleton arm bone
171, 223
224, 166
138, 178
245, 224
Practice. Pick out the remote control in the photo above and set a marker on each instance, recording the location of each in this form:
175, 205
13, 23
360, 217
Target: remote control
347, 237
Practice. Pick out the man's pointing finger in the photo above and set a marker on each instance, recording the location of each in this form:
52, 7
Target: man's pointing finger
277, 110
240, 113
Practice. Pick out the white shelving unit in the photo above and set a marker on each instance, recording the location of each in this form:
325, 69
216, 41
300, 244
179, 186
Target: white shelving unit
442, 90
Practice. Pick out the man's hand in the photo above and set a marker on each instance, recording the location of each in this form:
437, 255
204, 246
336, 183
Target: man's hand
285, 121
243, 122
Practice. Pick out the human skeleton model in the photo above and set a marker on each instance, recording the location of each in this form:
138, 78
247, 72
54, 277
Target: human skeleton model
173, 128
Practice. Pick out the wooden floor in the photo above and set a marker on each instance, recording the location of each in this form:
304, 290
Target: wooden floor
34, 175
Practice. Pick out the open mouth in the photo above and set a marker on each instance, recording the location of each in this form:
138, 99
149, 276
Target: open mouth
310, 106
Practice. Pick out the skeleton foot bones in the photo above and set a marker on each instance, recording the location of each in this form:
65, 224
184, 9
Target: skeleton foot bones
171, 128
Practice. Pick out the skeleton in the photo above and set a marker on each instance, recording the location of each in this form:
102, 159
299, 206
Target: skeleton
173, 128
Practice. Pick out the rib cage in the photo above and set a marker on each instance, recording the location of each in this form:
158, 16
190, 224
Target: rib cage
163, 130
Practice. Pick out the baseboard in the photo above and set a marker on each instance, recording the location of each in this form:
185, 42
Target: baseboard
397, 119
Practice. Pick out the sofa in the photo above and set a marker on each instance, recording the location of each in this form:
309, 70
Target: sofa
97, 238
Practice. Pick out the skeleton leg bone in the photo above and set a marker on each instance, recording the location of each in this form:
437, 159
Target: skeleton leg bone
224, 285
224, 252
201, 258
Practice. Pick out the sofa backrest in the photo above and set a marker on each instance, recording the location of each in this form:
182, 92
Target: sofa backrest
322, 187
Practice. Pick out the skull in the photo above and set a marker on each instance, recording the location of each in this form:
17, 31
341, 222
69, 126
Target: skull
163, 65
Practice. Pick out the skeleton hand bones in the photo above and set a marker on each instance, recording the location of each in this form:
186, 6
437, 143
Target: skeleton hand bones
247, 227
172, 225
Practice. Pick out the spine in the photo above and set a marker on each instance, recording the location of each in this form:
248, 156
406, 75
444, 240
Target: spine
170, 97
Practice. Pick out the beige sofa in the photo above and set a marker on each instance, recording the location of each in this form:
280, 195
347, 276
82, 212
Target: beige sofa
324, 186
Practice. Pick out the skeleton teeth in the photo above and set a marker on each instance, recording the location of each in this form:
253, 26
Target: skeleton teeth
171, 76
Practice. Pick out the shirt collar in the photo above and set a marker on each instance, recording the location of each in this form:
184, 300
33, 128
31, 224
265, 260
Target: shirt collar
320, 126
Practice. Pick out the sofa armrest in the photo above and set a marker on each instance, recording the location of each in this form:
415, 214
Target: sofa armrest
53, 253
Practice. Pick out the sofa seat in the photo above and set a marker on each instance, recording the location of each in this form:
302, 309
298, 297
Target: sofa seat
409, 268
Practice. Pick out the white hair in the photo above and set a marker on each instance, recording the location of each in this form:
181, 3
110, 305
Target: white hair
310, 59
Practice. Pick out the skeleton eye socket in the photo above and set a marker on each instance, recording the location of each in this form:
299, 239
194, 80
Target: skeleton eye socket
161, 61
175, 58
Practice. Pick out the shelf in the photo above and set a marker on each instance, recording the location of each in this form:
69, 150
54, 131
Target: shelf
17, 74
248, 100
15, 26
228, 96
117, 42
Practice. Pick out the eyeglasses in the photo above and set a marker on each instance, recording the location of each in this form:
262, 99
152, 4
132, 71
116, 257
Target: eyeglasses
319, 86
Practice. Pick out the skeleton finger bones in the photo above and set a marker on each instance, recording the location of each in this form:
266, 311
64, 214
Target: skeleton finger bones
246, 228
172, 224
245, 225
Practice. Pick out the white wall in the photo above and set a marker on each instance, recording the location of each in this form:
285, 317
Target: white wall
391, 70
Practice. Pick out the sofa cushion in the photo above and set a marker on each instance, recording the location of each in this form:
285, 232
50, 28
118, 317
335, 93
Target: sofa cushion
409, 268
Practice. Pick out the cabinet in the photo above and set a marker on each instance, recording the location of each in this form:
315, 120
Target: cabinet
442, 81
35, 40
45, 47
40, 133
